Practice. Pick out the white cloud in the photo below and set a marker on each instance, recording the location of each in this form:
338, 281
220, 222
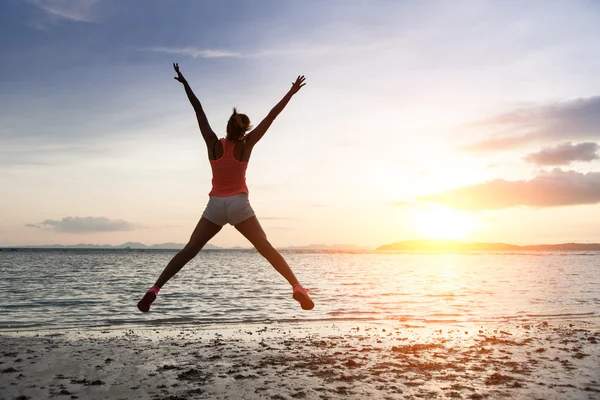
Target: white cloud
195, 52
304, 50
70, 10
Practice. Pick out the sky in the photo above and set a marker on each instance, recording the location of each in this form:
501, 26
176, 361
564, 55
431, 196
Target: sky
473, 121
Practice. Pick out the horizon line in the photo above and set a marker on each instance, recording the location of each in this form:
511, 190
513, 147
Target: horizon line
175, 245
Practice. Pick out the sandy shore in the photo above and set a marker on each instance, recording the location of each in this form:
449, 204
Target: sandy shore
305, 361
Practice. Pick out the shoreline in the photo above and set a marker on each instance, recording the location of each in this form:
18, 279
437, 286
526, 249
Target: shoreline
592, 319
555, 359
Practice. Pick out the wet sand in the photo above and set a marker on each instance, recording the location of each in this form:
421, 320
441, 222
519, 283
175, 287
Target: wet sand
546, 360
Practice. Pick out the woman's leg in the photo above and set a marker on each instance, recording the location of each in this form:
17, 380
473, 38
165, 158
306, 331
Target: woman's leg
205, 230
252, 230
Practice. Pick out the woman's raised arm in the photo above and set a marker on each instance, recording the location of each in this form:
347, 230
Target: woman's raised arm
209, 135
257, 133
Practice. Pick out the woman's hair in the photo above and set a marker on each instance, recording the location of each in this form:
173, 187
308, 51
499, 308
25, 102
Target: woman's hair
237, 126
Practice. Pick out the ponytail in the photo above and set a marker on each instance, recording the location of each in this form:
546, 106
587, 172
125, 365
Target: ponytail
238, 126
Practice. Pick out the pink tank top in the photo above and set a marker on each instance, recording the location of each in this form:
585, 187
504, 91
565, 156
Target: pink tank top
229, 174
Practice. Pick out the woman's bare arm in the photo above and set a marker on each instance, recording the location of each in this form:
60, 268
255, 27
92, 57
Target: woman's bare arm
260, 130
209, 135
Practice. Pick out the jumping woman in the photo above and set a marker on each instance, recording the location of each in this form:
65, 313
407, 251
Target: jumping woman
228, 203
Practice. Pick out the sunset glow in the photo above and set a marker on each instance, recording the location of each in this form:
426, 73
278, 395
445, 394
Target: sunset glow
441, 223
433, 120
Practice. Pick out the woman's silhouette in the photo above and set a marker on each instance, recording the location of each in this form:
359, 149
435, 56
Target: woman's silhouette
229, 195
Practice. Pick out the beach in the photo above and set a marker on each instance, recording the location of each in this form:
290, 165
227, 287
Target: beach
548, 360
175, 176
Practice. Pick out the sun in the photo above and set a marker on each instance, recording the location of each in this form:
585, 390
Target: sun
442, 223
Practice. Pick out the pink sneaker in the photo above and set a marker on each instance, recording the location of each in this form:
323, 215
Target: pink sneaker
149, 297
301, 296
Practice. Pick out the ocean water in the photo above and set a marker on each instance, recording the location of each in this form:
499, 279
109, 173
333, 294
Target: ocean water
79, 288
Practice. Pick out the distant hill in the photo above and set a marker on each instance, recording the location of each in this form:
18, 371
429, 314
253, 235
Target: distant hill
178, 246
407, 245
130, 245
448, 245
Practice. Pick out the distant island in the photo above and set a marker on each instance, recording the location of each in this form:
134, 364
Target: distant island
448, 245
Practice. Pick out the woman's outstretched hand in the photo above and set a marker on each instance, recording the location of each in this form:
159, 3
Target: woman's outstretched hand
179, 76
298, 84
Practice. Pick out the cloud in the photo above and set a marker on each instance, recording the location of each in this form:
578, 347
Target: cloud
549, 189
86, 225
497, 143
305, 50
564, 154
63, 10
195, 52
574, 119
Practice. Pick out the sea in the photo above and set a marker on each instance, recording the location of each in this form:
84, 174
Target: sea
75, 288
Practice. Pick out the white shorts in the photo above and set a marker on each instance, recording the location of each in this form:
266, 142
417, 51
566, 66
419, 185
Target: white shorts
228, 210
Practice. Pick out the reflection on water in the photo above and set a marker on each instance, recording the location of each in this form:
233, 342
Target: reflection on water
72, 288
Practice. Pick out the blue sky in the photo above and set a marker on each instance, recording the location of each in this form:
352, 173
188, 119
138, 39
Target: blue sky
408, 106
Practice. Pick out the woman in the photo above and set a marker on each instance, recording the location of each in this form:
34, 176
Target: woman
229, 195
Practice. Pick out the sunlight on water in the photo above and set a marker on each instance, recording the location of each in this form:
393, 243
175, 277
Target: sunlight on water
72, 288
